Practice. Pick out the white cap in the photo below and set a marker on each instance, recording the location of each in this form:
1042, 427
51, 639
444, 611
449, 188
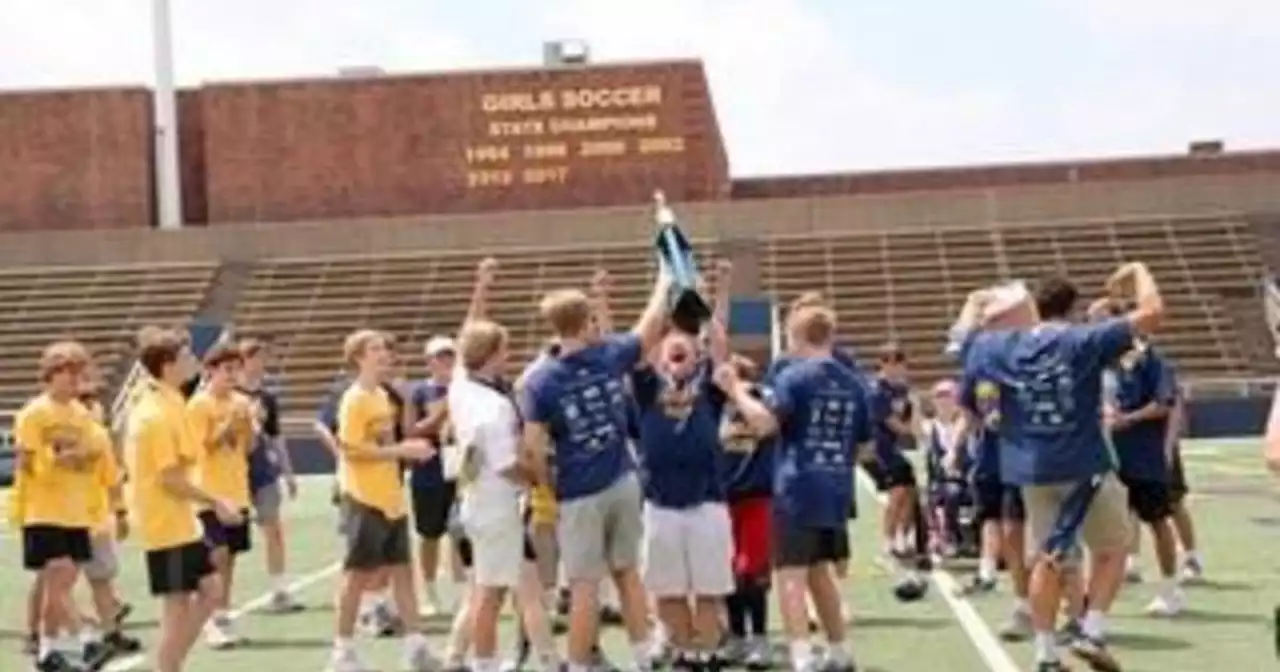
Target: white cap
439, 345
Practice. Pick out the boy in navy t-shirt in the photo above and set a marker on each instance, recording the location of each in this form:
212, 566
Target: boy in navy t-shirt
1042, 375
577, 414
819, 409
1138, 416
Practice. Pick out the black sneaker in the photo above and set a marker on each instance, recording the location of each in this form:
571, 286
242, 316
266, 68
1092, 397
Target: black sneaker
979, 586
391, 627
1069, 632
911, 589
54, 661
122, 643
96, 655
1050, 666
1095, 653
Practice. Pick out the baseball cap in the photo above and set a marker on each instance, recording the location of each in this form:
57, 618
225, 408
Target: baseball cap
440, 345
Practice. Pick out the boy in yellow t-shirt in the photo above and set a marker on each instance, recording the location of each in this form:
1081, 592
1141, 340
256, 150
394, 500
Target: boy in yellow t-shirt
377, 534
58, 454
222, 424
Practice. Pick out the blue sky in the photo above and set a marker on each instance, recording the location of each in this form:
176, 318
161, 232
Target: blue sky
800, 85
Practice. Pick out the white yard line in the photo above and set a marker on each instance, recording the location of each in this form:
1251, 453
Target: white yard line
132, 661
984, 640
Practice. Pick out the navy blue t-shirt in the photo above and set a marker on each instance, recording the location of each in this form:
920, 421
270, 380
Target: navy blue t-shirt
823, 412
581, 399
1041, 389
781, 362
679, 446
264, 466
1140, 446
746, 469
430, 473
890, 400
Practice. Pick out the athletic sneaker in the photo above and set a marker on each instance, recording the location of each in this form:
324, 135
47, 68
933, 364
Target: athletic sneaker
1070, 632
283, 602
1017, 628
610, 616
122, 643
1132, 572
55, 661
1192, 571
346, 660
419, 659
979, 586
732, 650
1095, 653
913, 588
219, 635
96, 655
1167, 605
1050, 666
758, 655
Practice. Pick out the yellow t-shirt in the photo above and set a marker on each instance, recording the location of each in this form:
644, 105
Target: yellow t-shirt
107, 475
18, 495
222, 465
365, 421
52, 493
159, 439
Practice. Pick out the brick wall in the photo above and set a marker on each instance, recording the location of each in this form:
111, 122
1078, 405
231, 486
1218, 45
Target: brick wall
395, 145
75, 159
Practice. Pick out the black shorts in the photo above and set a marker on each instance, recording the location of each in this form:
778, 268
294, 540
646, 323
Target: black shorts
895, 474
431, 509
997, 501
808, 546
42, 544
178, 570
235, 538
1178, 487
374, 540
1150, 500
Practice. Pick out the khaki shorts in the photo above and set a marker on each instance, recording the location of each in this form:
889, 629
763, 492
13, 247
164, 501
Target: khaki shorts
601, 533
1059, 514
688, 551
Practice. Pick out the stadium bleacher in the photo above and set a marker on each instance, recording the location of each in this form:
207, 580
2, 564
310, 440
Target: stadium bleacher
101, 306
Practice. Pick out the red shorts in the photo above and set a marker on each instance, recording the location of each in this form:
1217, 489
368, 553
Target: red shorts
752, 536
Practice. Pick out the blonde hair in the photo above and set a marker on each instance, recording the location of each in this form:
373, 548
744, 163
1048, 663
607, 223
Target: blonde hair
814, 326
568, 311
61, 355
479, 341
358, 343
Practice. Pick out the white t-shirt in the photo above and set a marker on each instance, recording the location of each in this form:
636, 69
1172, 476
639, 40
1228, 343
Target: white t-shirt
487, 429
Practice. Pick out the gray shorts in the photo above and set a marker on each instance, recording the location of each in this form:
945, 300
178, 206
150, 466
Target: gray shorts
602, 533
373, 540
104, 565
266, 504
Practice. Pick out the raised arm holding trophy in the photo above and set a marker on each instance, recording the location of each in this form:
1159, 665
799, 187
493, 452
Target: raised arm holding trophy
688, 309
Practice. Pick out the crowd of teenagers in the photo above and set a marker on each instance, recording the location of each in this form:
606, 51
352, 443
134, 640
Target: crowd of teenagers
647, 477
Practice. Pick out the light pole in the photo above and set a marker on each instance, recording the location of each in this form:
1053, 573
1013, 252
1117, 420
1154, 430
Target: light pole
165, 110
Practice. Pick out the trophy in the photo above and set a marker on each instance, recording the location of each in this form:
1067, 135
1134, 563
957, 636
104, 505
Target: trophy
688, 309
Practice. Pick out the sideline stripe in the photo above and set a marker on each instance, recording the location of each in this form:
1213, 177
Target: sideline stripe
132, 661
989, 647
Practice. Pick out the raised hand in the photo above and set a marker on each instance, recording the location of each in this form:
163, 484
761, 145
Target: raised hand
487, 271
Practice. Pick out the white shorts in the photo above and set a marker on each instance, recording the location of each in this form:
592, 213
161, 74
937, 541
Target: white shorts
497, 550
688, 551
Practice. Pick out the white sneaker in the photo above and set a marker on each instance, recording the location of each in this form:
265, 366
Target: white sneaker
419, 659
1167, 605
219, 636
345, 660
1192, 571
283, 602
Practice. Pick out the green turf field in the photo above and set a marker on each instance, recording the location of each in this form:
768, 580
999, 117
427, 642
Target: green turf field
1226, 628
